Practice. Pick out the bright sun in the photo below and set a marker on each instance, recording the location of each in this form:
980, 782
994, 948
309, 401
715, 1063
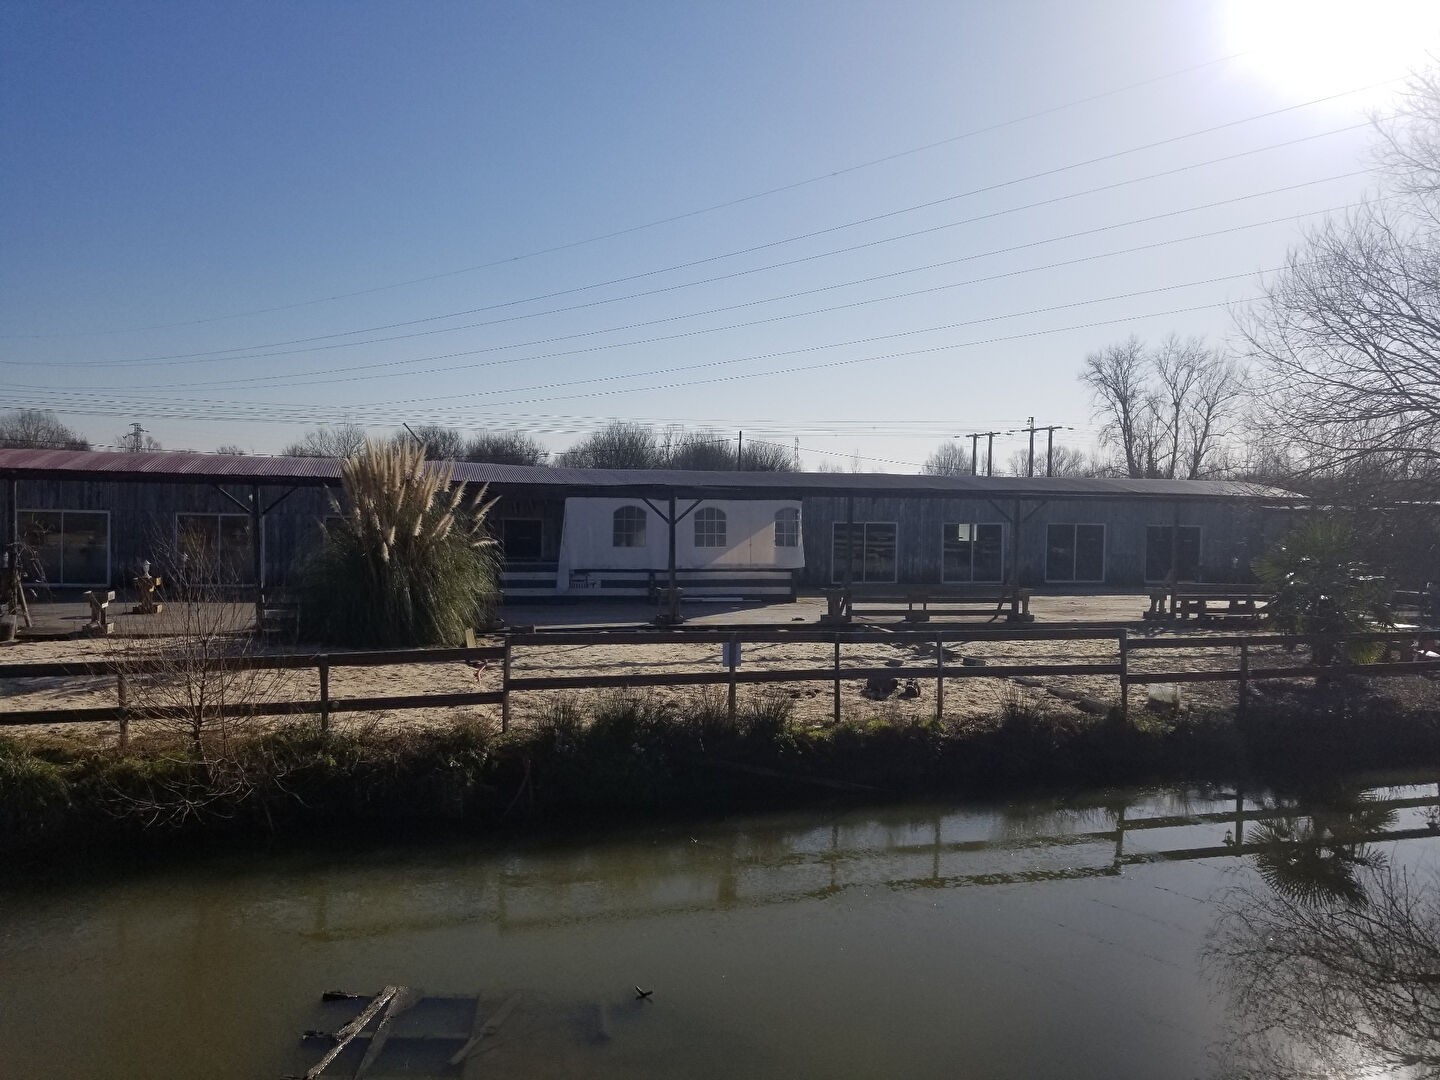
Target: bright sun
1312, 48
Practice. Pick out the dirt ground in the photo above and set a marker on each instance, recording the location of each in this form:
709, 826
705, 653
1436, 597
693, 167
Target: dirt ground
812, 702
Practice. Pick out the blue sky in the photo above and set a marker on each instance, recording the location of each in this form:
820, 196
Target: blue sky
231, 222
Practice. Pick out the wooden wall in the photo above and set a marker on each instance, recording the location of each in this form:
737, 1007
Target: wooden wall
1232, 533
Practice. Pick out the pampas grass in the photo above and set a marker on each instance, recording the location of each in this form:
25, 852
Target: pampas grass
408, 562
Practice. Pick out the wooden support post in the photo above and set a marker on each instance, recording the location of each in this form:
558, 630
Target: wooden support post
505, 689
1243, 704
324, 695
257, 555
675, 609
1015, 525
122, 694
1124, 675
837, 678
732, 658
849, 578
939, 679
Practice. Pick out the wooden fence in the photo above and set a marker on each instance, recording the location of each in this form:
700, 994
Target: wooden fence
1409, 643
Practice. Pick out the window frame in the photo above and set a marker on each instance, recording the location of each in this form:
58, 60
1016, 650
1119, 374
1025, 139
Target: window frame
971, 580
637, 528
1075, 527
837, 576
710, 515
792, 518
20, 512
248, 580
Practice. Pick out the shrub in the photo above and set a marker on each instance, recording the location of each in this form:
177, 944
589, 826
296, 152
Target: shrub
1322, 586
408, 563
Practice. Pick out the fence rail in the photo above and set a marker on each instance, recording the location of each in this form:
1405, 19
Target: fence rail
730, 675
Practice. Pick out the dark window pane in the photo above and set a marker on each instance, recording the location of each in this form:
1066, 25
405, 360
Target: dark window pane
879, 552
520, 539
840, 550
989, 553
957, 552
1089, 552
236, 559
41, 531
1157, 553
86, 559
1060, 553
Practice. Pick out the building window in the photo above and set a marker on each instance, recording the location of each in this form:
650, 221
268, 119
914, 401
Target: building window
520, 539
710, 527
872, 554
972, 552
1075, 553
629, 530
787, 528
214, 549
68, 547
1158, 553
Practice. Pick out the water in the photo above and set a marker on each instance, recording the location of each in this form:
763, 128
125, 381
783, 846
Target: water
921, 941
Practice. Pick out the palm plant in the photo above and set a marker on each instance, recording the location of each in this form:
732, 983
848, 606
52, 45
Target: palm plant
408, 560
1322, 587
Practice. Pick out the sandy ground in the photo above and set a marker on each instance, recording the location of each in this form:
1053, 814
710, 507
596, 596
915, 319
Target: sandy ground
812, 702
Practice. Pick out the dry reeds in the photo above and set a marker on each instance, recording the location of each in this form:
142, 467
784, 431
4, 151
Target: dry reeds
409, 561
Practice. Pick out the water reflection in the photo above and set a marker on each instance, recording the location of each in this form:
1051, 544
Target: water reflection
1041, 939
1332, 982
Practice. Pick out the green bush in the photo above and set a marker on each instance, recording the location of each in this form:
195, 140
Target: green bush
408, 563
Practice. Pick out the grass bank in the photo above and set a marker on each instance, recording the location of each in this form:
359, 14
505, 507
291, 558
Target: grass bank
633, 756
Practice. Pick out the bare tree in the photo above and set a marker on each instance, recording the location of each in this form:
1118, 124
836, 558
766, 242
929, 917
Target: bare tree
341, 440
233, 449
947, 459
37, 429
618, 445
1348, 335
441, 443
1064, 461
1165, 410
505, 448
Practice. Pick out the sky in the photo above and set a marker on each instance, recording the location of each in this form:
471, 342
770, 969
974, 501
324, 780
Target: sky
862, 228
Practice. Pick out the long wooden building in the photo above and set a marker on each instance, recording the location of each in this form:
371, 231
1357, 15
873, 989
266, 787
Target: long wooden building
93, 518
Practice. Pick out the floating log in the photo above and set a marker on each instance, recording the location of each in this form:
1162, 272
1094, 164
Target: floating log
404, 1000
346, 1034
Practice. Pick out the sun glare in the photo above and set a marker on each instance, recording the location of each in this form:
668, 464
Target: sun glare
1312, 48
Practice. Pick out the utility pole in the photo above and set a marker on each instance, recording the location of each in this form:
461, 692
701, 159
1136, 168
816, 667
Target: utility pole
740, 452
1049, 446
975, 437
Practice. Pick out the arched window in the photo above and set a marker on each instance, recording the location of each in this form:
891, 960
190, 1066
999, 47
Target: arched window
629, 527
710, 527
787, 527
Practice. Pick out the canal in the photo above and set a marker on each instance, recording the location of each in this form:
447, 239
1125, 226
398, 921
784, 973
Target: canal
1118, 934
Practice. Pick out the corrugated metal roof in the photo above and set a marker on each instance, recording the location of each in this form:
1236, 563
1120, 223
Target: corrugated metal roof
183, 467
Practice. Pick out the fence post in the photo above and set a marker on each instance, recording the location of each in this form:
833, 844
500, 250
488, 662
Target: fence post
1124, 675
939, 678
732, 657
505, 688
1244, 702
324, 694
122, 692
837, 678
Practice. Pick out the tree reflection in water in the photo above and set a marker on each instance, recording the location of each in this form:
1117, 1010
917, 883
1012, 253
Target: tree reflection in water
1332, 966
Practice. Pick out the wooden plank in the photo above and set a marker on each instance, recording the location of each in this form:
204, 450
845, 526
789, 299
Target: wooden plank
485, 1030
346, 1034
402, 1002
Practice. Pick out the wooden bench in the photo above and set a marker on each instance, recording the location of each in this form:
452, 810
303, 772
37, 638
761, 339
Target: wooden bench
280, 622
1201, 601
922, 602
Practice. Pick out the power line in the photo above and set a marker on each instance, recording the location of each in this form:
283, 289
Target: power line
229, 353
570, 245
267, 413
345, 374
